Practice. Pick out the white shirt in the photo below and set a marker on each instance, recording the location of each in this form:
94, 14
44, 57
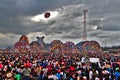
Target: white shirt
53, 77
90, 74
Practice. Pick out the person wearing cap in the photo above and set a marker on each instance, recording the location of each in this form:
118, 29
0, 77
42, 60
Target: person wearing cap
9, 76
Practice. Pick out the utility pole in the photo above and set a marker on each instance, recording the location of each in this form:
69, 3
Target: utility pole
84, 30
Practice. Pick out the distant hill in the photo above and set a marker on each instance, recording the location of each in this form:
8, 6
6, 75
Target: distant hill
113, 47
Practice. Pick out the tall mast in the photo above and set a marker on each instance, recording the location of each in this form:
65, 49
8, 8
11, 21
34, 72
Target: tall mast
84, 30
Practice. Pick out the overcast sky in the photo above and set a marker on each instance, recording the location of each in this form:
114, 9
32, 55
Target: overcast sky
18, 17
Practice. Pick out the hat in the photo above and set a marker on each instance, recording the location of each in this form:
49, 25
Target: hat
117, 68
84, 78
9, 74
58, 70
97, 78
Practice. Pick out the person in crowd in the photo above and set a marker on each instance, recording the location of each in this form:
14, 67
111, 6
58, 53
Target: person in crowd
68, 66
26, 73
117, 74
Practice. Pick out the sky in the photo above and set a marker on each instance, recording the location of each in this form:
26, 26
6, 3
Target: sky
26, 17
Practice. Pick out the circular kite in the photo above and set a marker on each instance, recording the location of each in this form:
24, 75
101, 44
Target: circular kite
47, 15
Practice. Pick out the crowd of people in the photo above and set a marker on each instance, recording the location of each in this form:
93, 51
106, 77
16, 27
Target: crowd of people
40, 66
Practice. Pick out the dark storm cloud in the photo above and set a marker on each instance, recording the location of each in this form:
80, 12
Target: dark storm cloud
74, 34
99, 35
111, 24
111, 27
102, 18
94, 22
11, 10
